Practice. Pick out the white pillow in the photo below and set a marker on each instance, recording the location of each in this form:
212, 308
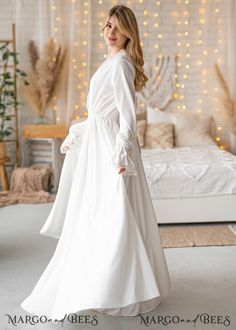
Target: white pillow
158, 116
192, 129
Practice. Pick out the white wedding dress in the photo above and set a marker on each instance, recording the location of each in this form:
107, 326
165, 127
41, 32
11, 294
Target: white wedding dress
109, 256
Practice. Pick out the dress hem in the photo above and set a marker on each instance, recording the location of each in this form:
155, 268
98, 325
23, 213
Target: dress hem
96, 309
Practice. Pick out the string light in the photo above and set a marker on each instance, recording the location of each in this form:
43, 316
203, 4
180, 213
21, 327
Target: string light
215, 51
183, 42
181, 14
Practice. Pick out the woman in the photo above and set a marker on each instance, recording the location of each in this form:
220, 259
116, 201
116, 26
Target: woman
109, 256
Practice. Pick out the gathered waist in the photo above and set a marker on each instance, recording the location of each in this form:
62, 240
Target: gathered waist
112, 116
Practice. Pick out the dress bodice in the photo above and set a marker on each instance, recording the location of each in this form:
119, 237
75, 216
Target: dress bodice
111, 96
101, 94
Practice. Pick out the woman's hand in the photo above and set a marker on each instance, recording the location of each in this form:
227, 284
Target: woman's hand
121, 169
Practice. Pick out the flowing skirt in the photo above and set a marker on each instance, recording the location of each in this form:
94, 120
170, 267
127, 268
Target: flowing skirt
109, 256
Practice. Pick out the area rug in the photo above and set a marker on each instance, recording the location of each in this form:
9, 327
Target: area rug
29, 185
186, 235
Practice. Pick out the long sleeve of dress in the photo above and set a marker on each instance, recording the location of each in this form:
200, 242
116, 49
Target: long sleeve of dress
123, 75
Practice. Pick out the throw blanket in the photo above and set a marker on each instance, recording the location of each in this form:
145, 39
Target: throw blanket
29, 186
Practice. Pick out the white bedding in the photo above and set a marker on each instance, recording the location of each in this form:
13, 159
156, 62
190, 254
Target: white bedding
187, 172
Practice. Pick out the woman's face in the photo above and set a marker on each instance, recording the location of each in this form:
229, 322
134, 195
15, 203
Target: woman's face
113, 37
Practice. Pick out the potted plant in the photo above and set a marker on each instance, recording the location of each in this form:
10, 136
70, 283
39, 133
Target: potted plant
8, 100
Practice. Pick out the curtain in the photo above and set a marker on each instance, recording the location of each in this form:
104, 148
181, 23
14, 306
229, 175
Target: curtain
68, 22
228, 35
220, 35
230, 50
230, 57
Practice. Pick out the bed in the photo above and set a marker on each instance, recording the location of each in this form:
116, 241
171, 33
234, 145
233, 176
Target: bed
190, 179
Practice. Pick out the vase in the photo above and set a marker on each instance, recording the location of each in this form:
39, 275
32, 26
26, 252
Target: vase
42, 121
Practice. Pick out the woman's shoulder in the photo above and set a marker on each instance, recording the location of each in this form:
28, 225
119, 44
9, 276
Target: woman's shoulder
123, 60
123, 55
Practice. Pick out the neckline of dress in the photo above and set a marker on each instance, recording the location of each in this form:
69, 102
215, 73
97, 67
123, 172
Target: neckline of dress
122, 50
119, 52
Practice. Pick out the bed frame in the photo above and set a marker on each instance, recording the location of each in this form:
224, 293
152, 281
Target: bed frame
198, 209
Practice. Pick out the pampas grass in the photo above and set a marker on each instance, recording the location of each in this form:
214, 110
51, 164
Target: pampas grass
33, 53
44, 75
226, 100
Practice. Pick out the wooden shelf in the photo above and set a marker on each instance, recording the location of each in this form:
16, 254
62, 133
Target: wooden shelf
6, 40
44, 131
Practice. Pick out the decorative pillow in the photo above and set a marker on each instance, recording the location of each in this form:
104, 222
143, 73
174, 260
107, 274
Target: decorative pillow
141, 128
158, 116
159, 136
192, 129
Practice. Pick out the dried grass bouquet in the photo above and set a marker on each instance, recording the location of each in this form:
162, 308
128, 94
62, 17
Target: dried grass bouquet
44, 75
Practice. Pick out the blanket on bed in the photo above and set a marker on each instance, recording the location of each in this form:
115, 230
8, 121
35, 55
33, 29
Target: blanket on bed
187, 172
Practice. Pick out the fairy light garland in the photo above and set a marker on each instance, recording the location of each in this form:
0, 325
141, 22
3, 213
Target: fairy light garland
185, 50
216, 52
56, 20
180, 15
219, 61
78, 62
81, 66
202, 61
175, 15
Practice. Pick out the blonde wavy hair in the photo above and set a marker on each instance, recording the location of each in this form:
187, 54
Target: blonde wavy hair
127, 25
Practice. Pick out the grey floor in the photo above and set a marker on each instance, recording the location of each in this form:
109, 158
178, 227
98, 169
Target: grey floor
203, 281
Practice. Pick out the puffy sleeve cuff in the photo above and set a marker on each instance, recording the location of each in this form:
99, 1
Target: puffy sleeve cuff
124, 155
75, 135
